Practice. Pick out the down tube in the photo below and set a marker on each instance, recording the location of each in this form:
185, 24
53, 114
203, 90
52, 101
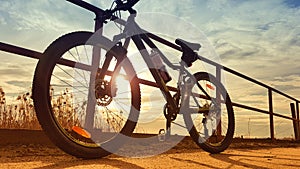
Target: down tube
162, 85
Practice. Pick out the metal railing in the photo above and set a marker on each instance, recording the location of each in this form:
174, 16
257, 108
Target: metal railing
294, 106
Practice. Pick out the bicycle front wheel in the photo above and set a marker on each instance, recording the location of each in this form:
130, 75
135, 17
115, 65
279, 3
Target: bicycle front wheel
85, 115
212, 127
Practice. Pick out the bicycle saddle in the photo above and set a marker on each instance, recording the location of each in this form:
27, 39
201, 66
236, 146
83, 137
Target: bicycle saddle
187, 45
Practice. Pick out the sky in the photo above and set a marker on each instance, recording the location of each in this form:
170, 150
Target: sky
259, 38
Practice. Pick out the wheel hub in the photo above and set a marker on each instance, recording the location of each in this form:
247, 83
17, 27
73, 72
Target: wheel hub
103, 93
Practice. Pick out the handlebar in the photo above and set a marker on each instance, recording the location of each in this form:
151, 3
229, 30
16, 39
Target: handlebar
125, 6
107, 14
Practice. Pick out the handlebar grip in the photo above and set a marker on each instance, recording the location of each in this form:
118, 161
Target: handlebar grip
126, 6
133, 2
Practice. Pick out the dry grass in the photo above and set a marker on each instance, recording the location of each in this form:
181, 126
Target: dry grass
21, 115
64, 109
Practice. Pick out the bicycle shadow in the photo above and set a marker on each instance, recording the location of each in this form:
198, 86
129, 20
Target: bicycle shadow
226, 158
200, 164
49, 156
233, 163
253, 160
96, 163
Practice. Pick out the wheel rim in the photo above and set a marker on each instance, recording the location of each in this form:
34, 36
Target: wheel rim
212, 124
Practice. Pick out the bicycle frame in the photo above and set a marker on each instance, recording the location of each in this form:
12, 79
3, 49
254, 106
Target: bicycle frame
140, 38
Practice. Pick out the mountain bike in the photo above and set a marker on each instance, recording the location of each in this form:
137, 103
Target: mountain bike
87, 94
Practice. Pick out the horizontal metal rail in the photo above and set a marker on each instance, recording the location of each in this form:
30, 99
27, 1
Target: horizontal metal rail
262, 111
219, 67
37, 55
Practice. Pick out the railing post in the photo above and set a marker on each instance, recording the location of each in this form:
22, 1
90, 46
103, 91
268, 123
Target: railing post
96, 56
271, 114
218, 73
218, 97
298, 117
295, 121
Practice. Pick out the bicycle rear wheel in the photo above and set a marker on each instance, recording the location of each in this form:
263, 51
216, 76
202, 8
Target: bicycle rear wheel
213, 127
83, 114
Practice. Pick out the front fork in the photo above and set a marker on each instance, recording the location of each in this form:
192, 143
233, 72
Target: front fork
117, 51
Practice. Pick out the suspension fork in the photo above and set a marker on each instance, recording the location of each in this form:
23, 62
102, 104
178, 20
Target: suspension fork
116, 51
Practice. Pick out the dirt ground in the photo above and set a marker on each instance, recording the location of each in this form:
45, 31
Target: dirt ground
31, 149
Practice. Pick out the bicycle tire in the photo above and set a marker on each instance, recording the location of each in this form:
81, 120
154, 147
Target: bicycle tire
45, 112
214, 142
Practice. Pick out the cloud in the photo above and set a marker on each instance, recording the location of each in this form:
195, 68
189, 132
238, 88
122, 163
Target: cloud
292, 3
257, 38
43, 15
240, 30
2, 20
288, 83
16, 74
19, 83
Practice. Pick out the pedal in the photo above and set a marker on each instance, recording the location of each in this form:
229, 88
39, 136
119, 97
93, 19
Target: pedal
162, 135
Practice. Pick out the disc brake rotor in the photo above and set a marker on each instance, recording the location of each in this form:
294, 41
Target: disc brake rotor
103, 93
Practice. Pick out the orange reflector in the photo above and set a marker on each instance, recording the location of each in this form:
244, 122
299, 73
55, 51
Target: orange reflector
210, 86
82, 132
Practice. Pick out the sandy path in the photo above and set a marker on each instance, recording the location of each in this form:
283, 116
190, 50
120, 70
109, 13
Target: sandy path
39, 156
27, 149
